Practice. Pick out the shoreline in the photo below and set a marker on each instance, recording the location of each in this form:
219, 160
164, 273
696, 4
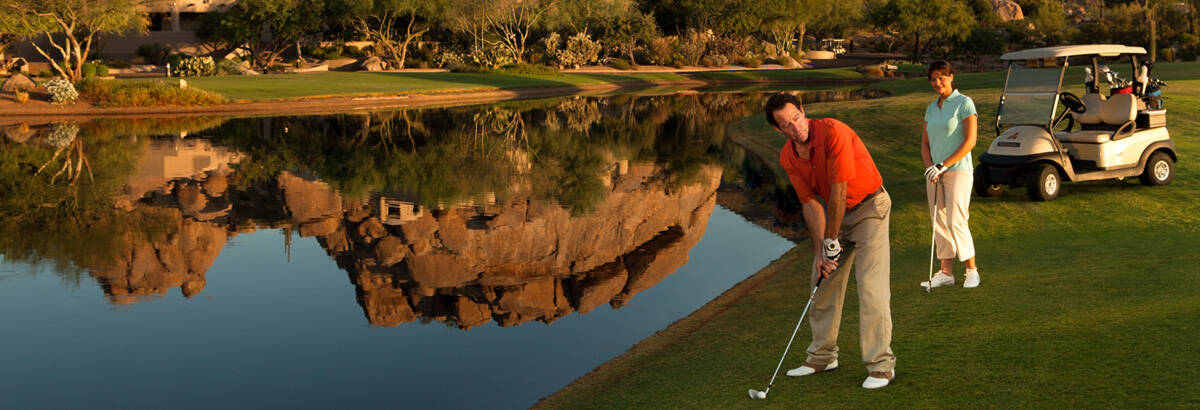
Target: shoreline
17, 114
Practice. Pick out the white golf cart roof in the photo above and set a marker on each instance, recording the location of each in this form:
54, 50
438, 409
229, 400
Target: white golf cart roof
1106, 50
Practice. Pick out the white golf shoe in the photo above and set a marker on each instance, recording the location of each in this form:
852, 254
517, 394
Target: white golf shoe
809, 368
972, 279
879, 379
940, 279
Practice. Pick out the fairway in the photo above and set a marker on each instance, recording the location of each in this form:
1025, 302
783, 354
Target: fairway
1090, 300
341, 84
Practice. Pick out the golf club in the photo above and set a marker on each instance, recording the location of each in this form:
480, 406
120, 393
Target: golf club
755, 394
932, 236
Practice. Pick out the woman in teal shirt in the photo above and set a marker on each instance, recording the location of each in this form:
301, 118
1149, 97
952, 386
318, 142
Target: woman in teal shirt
951, 123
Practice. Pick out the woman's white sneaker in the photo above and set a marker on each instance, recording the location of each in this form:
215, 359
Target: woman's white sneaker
972, 279
940, 279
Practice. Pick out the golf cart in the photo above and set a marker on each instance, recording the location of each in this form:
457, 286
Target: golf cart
1122, 134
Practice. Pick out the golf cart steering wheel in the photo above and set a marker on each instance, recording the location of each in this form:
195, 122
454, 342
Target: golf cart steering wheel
1072, 102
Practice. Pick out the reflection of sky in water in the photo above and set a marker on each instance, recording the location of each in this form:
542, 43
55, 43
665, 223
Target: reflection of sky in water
267, 333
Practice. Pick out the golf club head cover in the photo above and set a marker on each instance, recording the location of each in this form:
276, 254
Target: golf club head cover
934, 170
832, 248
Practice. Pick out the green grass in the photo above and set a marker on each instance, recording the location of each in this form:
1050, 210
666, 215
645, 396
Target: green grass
1091, 300
291, 86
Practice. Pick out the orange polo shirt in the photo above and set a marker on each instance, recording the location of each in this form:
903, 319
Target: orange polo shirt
836, 154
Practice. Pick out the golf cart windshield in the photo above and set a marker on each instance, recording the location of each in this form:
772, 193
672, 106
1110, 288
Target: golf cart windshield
1029, 94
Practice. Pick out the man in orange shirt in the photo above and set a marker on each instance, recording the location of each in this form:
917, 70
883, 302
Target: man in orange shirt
825, 158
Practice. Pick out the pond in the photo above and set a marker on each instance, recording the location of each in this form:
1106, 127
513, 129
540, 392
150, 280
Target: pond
463, 257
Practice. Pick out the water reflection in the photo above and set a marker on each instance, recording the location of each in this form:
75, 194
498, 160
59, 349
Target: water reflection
510, 213
475, 218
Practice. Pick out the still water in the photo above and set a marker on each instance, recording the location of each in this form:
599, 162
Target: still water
465, 257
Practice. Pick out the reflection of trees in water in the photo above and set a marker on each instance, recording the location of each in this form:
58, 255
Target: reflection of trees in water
613, 164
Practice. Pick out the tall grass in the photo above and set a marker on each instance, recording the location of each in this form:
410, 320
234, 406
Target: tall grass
107, 94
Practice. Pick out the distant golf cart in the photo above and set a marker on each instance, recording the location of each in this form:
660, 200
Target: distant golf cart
836, 45
1122, 134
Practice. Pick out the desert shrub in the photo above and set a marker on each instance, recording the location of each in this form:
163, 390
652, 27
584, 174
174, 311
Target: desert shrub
174, 59
678, 62
491, 56
552, 43
101, 70
661, 50
153, 53
88, 70
725, 50
621, 64
62, 91
693, 45
1166, 54
528, 69
750, 61
227, 67
447, 59
189, 66
580, 50
108, 94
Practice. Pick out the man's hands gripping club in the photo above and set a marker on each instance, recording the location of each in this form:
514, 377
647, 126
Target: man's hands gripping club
826, 260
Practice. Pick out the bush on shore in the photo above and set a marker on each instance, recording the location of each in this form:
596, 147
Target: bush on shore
106, 94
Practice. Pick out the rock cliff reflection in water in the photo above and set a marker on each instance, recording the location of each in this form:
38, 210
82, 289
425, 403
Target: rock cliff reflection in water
508, 213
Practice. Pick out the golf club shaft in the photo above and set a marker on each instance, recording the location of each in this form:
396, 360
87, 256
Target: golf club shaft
932, 235
797, 329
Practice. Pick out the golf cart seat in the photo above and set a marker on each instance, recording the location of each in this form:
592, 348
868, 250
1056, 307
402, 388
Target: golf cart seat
1117, 115
1093, 102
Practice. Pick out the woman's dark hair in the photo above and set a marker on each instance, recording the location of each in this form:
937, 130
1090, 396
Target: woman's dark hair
776, 102
940, 67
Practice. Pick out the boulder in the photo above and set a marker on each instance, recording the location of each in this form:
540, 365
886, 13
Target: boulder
440, 270
19, 133
16, 83
371, 229
216, 185
191, 200
390, 250
1008, 10
373, 64
15, 65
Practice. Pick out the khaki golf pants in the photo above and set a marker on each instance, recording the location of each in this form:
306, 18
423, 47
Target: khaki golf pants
952, 194
864, 239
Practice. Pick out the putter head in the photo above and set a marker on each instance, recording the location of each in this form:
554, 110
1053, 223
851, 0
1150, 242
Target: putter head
755, 394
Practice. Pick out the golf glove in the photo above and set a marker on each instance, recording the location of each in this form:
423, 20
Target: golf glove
934, 170
832, 249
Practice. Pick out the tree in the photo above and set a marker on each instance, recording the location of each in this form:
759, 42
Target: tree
782, 28
70, 26
624, 29
391, 24
281, 22
513, 21
932, 19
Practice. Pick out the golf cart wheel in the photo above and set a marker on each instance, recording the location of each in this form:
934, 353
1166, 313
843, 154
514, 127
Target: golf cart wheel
983, 184
1160, 169
1043, 182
